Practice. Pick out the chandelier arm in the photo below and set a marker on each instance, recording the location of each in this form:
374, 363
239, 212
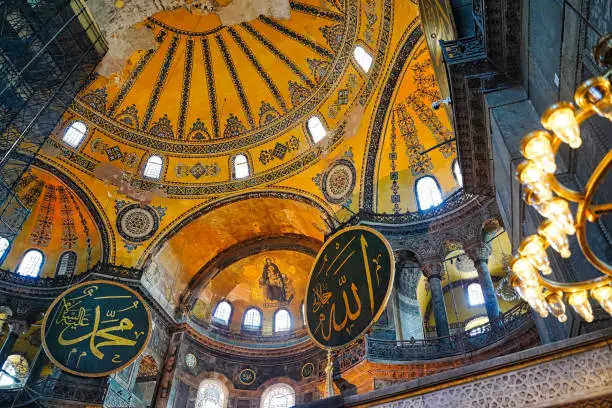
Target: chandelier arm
555, 185
595, 211
569, 287
564, 192
582, 213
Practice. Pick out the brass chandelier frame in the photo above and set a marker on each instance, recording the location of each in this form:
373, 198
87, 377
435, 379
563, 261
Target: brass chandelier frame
536, 174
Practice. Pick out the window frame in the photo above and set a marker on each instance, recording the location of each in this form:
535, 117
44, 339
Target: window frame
368, 52
459, 182
71, 126
248, 164
219, 384
161, 169
6, 251
252, 328
416, 193
218, 321
271, 388
323, 125
468, 297
59, 261
471, 320
40, 268
275, 329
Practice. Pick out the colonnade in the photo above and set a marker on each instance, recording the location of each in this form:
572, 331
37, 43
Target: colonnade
432, 270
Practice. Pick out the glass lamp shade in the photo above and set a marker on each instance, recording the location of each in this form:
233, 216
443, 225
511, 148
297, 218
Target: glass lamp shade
524, 270
537, 148
558, 211
555, 237
603, 296
560, 119
533, 248
580, 303
556, 306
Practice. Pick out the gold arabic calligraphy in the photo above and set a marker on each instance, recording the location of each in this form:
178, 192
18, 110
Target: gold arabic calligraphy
73, 315
328, 322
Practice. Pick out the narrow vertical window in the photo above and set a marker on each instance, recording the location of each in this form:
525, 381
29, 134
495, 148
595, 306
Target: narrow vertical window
316, 129
252, 319
74, 134
363, 58
153, 168
223, 312
457, 173
211, 394
31, 264
4, 245
278, 396
428, 193
66, 264
282, 321
14, 370
241, 167
475, 296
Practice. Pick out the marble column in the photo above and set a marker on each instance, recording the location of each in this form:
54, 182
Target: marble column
433, 273
480, 255
397, 320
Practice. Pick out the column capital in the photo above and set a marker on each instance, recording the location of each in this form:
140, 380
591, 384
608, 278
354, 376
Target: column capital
432, 269
18, 327
480, 252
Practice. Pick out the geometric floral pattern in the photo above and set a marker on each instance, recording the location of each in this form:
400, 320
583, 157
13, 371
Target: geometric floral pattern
279, 151
41, 236
572, 378
69, 235
420, 164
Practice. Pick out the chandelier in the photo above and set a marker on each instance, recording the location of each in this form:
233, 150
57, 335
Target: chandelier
550, 198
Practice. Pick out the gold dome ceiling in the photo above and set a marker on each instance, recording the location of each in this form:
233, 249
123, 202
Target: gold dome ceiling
209, 92
207, 88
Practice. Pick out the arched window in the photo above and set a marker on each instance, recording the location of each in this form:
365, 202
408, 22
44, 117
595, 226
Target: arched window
278, 396
153, 168
241, 167
223, 311
475, 296
31, 264
363, 58
428, 193
66, 264
476, 325
4, 245
211, 394
74, 134
15, 367
282, 321
457, 173
303, 309
316, 129
252, 319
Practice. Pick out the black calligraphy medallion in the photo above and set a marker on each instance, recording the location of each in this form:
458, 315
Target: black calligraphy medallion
349, 286
247, 376
96, 328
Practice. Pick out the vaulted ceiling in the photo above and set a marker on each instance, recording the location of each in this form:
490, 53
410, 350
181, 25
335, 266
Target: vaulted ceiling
207, 92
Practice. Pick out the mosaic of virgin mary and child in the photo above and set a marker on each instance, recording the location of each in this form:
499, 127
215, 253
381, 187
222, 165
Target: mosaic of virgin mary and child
276, 285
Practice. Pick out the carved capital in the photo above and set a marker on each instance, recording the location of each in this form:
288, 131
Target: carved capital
19, 327
432, 269
480, 252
